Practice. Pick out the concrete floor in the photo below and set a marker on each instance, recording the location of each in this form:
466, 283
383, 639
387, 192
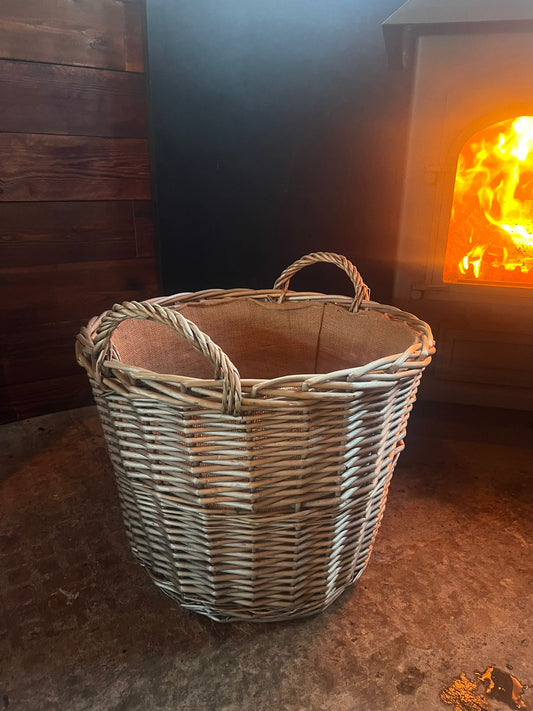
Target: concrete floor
448, 589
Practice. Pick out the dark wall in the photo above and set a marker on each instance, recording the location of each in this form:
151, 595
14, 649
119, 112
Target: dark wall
277, 129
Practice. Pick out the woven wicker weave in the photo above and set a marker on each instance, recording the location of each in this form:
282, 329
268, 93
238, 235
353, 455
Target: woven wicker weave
255, 493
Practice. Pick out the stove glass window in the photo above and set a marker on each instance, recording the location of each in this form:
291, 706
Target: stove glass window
490, 240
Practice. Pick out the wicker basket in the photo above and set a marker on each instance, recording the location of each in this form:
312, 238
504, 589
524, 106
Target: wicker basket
255, 493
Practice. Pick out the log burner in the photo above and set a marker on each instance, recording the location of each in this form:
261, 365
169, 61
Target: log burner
465, 256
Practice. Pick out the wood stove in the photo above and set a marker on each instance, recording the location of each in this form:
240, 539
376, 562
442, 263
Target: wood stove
465, 255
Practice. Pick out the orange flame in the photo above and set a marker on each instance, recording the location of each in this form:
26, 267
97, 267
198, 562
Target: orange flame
491, 226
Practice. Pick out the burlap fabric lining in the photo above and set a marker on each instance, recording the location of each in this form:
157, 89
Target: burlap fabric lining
264, 340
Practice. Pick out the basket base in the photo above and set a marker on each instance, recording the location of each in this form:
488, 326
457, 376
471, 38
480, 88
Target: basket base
242, 614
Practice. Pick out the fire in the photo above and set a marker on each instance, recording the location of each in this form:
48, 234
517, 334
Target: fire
491, 225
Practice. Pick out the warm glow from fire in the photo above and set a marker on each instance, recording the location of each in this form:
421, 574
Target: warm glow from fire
491, 226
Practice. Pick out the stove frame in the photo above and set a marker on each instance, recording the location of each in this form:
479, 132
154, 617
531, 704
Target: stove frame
467, 73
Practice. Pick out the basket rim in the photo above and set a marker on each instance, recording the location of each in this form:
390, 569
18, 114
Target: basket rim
377, 374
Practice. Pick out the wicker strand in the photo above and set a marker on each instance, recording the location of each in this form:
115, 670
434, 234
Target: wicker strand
362, 292
224, 368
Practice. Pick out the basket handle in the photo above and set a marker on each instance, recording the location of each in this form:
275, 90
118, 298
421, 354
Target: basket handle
224, 368
362, 292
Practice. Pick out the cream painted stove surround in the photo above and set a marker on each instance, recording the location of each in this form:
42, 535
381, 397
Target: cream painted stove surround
466, 76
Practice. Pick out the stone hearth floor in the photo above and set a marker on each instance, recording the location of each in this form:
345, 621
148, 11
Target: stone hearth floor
448, 589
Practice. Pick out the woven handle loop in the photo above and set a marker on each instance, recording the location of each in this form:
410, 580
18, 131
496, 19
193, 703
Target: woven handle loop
224, 368
362, 292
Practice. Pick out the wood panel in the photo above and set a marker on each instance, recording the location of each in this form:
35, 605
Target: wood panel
40, 167
144, 228
76, 232
94, 33
37, 233
17, 402
46, 351
133, 35
66, 292
47, 98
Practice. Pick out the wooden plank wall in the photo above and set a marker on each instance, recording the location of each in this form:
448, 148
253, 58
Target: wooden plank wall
75, 216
